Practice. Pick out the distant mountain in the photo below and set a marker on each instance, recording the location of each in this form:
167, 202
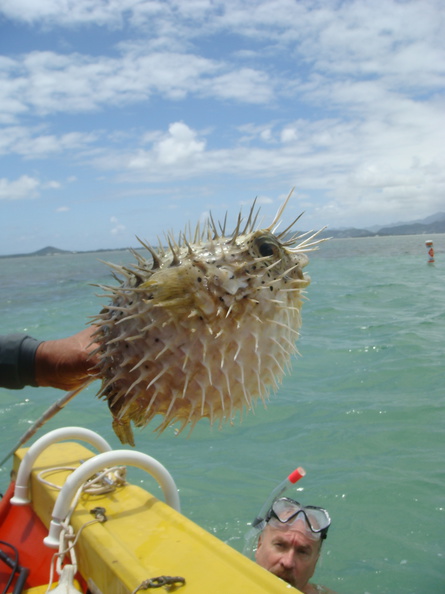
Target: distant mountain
347, 232
414, 229
46, 251
53, 251
432, 224
49, 251
439, 216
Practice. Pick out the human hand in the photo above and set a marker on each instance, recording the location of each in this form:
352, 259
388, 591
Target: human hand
66, 363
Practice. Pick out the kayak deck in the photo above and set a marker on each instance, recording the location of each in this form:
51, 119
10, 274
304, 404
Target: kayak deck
142, 538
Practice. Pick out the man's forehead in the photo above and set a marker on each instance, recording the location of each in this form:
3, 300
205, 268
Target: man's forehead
295, 530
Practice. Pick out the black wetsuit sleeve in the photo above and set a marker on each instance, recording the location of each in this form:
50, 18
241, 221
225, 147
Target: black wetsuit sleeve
17, 355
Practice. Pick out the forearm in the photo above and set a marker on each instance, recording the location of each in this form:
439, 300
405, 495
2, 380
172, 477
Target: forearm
64, 363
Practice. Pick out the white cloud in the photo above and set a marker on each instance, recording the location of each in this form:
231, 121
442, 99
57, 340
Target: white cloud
52, 185
19, 189
117, 227
177, 152
179, 145
33, 143
246, 85
374, 45
355, 163
46, 82
289, 134
66, 12
24, 187
341, 99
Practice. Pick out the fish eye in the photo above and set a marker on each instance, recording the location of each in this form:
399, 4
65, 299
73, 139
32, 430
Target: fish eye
266, 248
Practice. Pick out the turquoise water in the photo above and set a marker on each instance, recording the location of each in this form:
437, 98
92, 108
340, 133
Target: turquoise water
363, 411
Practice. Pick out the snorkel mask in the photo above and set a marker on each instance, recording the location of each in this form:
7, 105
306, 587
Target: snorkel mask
285, 512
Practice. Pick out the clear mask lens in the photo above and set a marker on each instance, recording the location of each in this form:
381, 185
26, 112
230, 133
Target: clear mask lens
287, 511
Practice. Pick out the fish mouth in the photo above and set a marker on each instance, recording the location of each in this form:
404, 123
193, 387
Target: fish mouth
299, 272
301, 279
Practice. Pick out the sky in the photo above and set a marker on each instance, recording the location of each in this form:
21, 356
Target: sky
125, 118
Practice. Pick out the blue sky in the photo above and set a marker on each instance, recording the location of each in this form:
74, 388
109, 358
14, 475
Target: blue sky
134, 117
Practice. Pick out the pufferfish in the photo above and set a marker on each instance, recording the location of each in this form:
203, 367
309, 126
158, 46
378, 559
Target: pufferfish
203, 328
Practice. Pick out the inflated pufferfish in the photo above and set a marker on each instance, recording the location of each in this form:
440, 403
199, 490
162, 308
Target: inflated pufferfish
202, 329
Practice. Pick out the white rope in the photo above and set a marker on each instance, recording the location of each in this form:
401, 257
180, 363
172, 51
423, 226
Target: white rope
50, 470
104, 482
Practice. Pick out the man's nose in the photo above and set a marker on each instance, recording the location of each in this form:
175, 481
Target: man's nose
287, 559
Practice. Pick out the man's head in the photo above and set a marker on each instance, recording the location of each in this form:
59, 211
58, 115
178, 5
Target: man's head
290, 544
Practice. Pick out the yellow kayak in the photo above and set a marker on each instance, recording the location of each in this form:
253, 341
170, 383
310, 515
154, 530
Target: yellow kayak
71, 509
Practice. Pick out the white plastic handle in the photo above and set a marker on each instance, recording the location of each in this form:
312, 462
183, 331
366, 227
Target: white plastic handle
21, 491
94, 465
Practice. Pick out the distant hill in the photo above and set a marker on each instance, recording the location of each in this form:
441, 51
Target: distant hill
46, 251
49, 251
432, 224
437, 226
347, 232
52, 251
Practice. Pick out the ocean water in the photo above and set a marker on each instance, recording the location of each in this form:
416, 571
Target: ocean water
363, 410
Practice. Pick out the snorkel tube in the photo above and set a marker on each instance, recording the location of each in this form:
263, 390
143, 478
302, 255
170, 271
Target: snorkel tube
260, 521
294, 476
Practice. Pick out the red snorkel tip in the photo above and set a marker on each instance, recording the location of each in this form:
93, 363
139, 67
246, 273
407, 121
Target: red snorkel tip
296, 475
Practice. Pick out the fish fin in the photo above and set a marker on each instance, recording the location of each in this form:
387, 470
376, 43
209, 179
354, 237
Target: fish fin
123, 431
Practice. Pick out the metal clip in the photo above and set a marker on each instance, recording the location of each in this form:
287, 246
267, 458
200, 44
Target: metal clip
99, 513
